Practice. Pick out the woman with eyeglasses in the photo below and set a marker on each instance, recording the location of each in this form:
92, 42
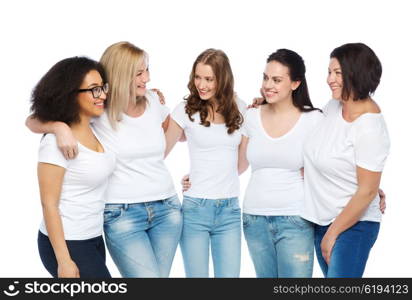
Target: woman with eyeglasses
72, 192
142, 217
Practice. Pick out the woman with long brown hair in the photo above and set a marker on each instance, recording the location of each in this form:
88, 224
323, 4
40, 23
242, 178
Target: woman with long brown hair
211, 118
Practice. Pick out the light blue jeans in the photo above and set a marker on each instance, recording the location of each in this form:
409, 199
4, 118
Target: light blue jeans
142, 237
213, 223
280, 246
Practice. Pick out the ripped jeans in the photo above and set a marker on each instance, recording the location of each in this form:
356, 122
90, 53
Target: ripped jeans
280, 246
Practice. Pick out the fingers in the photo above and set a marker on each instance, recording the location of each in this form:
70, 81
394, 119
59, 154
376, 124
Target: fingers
382, 201
254, 103
382, 207
185, 182
162, 99
69, 152
75, 151
326, 255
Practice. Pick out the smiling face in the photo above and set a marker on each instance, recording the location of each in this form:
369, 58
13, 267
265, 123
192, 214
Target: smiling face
277, 85
335, 79
90, 106
142, 77
205, 81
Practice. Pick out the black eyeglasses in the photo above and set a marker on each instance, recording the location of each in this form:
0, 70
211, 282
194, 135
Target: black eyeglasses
97, 90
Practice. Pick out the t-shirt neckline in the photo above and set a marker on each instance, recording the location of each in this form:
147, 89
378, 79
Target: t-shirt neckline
282, 136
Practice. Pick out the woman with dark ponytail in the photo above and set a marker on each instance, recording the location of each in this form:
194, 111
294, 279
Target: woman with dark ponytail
280, 242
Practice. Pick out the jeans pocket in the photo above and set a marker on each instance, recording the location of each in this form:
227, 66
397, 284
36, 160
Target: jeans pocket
173, 202
111, 215
236, 209
245, 220
299, 222
190, 204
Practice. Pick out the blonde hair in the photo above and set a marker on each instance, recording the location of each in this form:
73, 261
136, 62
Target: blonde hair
121, 62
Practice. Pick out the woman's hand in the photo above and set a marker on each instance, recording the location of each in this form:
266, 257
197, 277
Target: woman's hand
162, 99
68, 269
66, 141
257, 101
382, 201
185, 182
326, 246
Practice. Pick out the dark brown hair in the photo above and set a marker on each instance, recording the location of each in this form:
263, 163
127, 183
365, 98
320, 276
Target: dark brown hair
294, 62
225, 96
55, 96
361, 70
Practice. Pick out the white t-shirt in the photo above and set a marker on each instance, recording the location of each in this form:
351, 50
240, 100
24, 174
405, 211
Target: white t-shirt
81, 202
331, 155
276, 185
213, 156
139, 143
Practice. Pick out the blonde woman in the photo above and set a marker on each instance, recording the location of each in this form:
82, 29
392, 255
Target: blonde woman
142, 218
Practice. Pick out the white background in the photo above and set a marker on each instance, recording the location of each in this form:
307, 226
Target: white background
37, 34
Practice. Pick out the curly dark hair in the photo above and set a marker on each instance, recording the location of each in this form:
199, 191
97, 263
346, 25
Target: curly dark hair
225, 96
297, 70
55, 96
361, 70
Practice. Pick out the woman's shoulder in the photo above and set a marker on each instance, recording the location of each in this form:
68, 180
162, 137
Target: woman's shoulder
151, 96
251, 112
242, 106
314, 115
48, 139
181, 106
370, 121
332, 105
153, 99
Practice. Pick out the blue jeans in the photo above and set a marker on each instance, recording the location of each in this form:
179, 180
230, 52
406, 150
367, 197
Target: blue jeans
142, 237
351, 250
214, 222
89, 256
280, 246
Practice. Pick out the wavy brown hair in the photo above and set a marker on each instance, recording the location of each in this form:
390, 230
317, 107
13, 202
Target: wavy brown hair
225, 96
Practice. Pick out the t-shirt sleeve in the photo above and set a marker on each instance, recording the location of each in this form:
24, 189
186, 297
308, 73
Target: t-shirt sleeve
372, 146
163, 110
316, 118
179, 115
50, 153
241, 106
245, 128
330, 105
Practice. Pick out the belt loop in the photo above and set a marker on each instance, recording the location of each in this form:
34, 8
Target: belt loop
126, 206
